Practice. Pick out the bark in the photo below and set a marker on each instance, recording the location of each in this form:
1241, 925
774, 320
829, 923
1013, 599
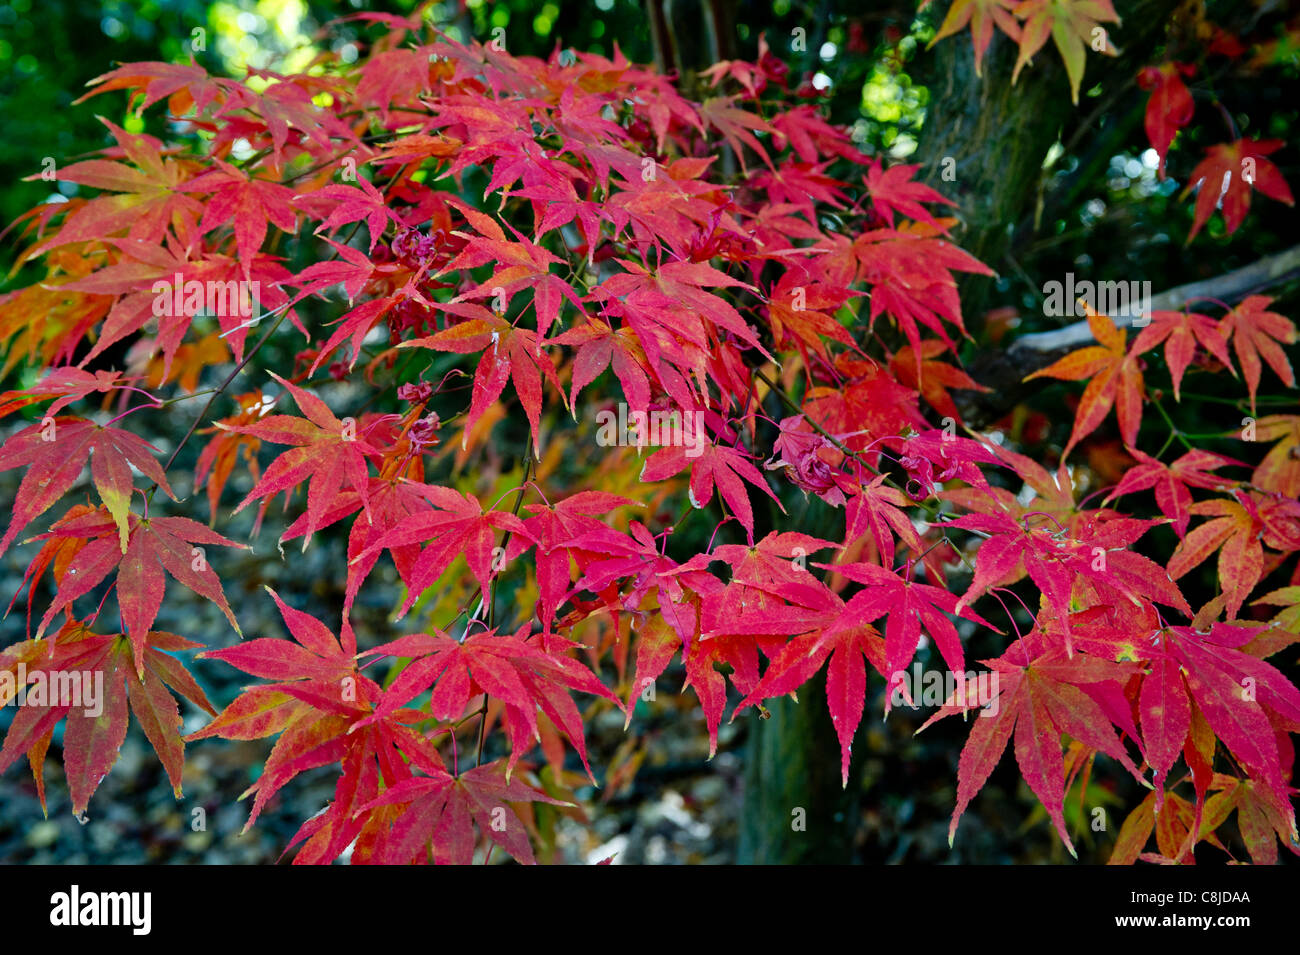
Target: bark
691, 35
795, 811
1225, 289
1004, 370
993, 137
998, 135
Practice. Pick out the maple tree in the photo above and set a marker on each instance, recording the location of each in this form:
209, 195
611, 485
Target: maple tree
463, 250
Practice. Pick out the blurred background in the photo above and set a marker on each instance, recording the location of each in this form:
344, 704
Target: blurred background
1045, 189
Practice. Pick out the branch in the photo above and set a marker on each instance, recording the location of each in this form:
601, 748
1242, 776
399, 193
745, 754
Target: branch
1229, 287
1003, 370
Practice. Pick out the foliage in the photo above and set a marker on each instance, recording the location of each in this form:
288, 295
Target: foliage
579, 245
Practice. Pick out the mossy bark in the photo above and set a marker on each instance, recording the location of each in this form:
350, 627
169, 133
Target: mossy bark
997, 135
795, 810
983, 145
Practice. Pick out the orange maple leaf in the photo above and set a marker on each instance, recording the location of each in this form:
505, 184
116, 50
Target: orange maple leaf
1116, 380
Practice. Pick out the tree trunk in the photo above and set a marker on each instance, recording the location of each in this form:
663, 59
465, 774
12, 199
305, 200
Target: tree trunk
997, 136
795, 810
994, 136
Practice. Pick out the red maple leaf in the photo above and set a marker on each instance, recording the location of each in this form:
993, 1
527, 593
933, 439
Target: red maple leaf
1226, 177
1181, 332
521, 264
509, 354
726, 467
250, 202
555, 527
509, 668
981, 15
329, 453
1257, 333
1235, 526
599, 347
737, 127
319, 704
1171, 482
637, 562
1116, 380
440, 811
391, 503
1279, 472
55, 451
893, 190
908, 606
936, 377
911, 279
776, 564
91, 740
149, 193
153, 545
185, 86
826, 630
802, 311
1240, 696
1037, 700
65, 385
1170, 107
351, 204
456, 525
658, 643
